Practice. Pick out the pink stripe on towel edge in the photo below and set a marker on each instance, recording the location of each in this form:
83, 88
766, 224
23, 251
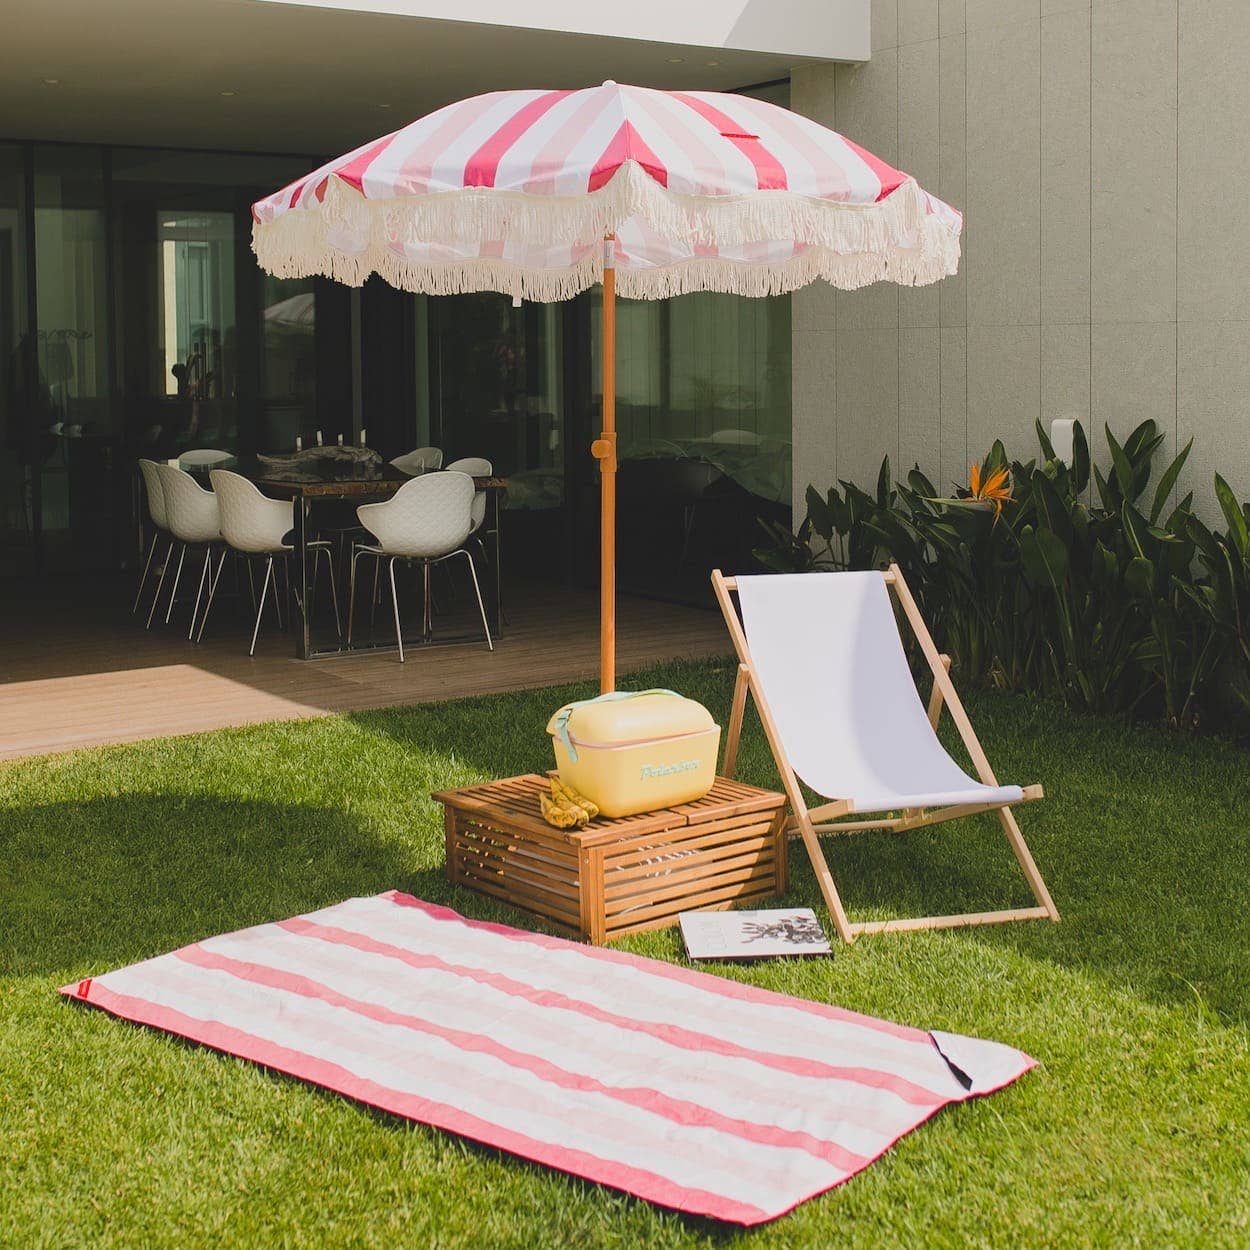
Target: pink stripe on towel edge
330, 1076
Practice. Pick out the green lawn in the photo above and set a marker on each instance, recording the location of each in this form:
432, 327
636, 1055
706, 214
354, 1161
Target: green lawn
1133, 1131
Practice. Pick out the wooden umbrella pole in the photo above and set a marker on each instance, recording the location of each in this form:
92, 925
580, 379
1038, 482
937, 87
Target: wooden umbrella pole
604, 450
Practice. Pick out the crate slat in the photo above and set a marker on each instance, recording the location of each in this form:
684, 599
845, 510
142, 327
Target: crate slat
682, 885
666, 911
680, 871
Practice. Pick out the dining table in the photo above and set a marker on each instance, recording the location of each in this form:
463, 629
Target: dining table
308, 482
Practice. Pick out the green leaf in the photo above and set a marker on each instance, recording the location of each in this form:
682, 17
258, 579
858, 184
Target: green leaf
1142, 441
1122, 467
1080, 459
839, 511
1236, 518
1139, 577
1053, 509
819, 514
1178, 518
921, 484
1048, 448
1105, 494
1136, 530
1104, 567
1044, 557
1168, 480
884, 484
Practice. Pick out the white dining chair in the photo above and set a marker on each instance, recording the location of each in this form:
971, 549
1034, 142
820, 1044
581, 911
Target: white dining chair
253, 525
193, 519
160, 525
474, 466
203, 458
426, 521
423, 460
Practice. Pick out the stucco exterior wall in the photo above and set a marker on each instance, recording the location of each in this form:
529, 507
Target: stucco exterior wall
1100, 154
834, 29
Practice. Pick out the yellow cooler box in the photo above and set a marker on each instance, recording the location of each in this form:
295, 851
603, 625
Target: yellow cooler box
636, 752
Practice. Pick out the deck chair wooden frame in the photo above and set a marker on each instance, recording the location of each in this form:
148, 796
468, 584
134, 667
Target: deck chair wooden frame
825, 819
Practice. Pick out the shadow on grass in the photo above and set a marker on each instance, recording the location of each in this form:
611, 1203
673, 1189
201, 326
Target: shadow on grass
1142, 838
108, 881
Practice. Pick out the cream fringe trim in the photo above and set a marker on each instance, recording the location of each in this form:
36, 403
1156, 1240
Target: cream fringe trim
347, 238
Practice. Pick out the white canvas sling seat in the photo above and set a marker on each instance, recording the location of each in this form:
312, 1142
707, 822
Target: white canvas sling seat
828, 654
822, 656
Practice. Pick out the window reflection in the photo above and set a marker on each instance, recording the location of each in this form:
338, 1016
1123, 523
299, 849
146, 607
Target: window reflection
289, 362
74, 442
16, 398
198, 333
703, 420
498, 378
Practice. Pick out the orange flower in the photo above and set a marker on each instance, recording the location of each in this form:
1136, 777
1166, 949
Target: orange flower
995, 490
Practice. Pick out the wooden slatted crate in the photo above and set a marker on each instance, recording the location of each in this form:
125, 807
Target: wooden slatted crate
621, 875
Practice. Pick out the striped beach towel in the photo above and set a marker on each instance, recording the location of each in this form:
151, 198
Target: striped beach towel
690, 1090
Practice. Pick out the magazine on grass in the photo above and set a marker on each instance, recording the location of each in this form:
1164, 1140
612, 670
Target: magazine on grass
753, 934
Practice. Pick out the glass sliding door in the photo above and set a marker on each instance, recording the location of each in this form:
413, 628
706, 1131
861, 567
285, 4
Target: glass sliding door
496, 383
703, 416
198, 331
23, 408
288, 364
78, 443
214, 354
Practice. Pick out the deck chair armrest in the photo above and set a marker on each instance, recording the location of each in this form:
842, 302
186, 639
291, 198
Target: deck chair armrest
737, 710
935, 698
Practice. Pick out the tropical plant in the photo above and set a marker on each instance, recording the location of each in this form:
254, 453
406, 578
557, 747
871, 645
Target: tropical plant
1031, 585
1224, 595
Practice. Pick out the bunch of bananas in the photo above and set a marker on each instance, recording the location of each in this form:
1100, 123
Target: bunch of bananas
565, 808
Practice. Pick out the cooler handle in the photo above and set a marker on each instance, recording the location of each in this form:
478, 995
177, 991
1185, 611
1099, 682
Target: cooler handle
561, 719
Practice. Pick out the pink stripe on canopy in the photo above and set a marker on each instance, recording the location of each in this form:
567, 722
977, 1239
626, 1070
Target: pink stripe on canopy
770, 175
482, 167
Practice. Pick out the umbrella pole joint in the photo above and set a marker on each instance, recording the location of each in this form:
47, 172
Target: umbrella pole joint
604, 450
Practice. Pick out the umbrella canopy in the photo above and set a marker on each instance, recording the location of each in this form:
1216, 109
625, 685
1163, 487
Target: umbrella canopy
516, 191
512, 191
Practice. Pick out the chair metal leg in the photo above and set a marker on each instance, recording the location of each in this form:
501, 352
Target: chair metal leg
373, 607
427, 623
399, 635
143, 581
212, 590
173, 594
156, 598
328, 552
351, 597
481, 607
199, 594
264, 590
334, 592
279, 571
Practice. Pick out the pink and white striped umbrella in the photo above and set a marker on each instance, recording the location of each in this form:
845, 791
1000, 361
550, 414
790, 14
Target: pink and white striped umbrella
514, 191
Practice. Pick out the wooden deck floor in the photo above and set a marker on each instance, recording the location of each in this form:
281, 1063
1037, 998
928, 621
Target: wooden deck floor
76, 669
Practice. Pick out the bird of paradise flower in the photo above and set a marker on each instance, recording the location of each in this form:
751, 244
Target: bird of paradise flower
992, 488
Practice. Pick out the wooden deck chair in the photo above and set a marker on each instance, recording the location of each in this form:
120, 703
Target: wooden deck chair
822, 656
